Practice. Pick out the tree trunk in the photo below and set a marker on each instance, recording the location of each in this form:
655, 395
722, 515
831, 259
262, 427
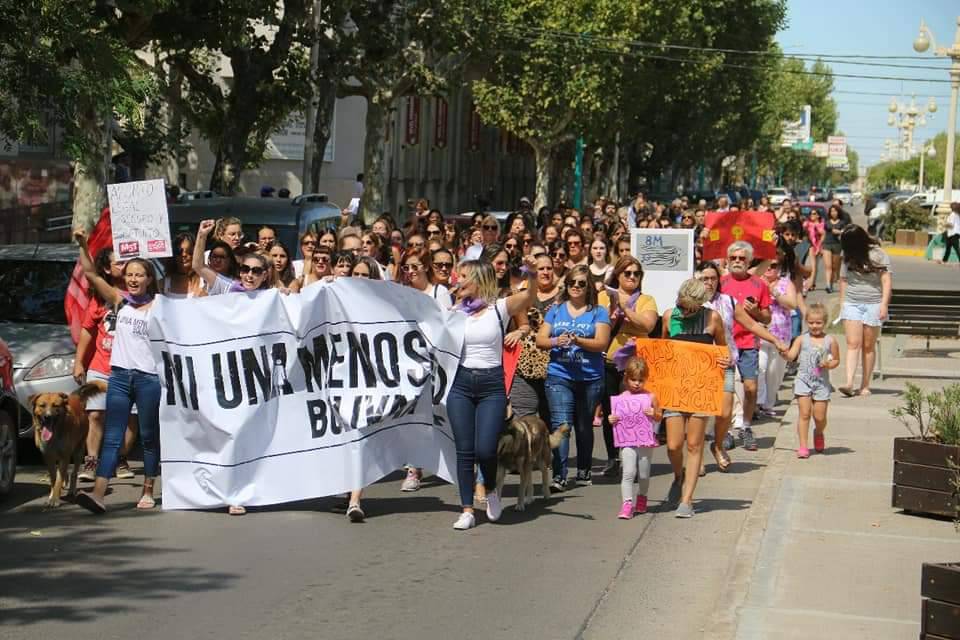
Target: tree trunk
545, 159
225, 178
374, 178
321, 132
90, 174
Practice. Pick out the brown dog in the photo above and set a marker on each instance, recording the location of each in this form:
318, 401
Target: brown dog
527, 443
60, 429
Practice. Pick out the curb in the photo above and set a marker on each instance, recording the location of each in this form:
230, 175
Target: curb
724, 621
908, 252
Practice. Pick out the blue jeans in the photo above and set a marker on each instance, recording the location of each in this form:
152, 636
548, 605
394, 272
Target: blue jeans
127, 386
572, 403
477, 406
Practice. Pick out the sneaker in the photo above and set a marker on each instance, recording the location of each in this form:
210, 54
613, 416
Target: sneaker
611, 469
558, 484
819, 442
89, 472
355, 513
464, 522
626, 510
494, 508
123, 469
729, 442
411, 482
749, 442
803, 453
684, 511
641, 505
585, 478
767, 412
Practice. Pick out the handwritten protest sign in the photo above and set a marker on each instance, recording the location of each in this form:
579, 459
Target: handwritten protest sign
667, 257
138, 213
685, 376
723, 229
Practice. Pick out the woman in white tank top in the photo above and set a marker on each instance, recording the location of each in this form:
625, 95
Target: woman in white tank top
133, 376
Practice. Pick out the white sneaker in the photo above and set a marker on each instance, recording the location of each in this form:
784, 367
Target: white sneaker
411, 482
465, 521
494, 508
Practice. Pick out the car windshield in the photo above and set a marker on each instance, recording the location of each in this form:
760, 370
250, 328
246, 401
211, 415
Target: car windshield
777, 192
32, 291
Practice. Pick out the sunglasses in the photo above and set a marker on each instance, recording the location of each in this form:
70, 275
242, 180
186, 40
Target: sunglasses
573, 243
308, 243
633, 273
257, 271
558, 254
369, 242
527, 240
510, 245
773, 265
321, 259
490, 227
445, 266
434, 232
411, 268
577, 284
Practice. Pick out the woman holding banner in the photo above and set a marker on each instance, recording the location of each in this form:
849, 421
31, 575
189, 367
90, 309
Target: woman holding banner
133, 376
477, 401
690, 321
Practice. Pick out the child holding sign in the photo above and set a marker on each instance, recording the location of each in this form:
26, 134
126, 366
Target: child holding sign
817, 353
634, 415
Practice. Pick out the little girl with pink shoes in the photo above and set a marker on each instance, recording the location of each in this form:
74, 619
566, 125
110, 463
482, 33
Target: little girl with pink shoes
634, 415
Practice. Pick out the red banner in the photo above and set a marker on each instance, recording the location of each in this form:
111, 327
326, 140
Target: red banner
755, 227
412, 130
440, 123
78, 290
473, 135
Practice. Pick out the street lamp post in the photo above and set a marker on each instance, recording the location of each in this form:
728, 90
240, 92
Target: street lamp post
920, 45
928, 151
906, 118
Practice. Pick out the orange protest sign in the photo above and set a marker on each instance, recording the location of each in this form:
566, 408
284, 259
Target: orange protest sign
723, 229
685, 376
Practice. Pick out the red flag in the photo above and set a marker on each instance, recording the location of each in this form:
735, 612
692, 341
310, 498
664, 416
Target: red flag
755, 227
511, 357
78, 291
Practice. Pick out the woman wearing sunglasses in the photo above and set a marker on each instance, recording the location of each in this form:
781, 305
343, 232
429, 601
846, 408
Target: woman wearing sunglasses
576, 331
633, 314
317, 267
416, 270
308, 242
490, 229
558, 253
779, 277
442, 264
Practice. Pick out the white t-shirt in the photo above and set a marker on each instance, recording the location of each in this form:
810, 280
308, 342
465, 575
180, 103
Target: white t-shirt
441, 294
131, 341
953, 224
483, 338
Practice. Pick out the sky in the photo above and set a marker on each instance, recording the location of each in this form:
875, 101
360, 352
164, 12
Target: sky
876, 28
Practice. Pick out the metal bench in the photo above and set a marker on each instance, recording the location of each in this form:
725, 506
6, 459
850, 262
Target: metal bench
920, 312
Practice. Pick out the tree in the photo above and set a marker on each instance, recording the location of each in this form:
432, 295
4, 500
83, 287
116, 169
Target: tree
549, 83
74, 67
265, 43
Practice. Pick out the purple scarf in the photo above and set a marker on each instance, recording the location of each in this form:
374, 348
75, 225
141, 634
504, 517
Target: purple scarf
471, 306
136, 301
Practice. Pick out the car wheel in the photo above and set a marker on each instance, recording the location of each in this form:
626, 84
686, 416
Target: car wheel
8, 453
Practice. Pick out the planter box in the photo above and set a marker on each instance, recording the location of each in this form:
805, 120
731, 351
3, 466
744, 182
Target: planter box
940, 588
921, 477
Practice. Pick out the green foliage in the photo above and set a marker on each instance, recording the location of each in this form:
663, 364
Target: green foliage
931, 416
900, 172
905, 216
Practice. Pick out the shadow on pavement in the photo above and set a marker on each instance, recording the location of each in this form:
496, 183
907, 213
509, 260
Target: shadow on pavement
705, 505
53, 570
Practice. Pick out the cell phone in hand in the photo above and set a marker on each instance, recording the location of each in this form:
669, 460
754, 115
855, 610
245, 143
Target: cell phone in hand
751, 300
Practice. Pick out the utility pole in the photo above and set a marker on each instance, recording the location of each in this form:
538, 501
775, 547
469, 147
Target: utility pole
311, 111
578, 175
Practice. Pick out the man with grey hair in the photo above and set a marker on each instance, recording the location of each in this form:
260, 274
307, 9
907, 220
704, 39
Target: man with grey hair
723, 204
750, 292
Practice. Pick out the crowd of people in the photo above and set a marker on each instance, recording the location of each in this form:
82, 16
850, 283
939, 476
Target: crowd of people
559, 285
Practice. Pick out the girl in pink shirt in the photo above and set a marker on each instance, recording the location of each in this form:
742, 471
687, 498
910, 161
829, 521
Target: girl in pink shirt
634, 415
815, 233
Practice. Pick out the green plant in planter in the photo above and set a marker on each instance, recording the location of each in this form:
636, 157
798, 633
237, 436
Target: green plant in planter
905, 216
936, 415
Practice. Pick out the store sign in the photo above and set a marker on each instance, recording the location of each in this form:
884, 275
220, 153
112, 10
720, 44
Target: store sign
440, 121
412, 128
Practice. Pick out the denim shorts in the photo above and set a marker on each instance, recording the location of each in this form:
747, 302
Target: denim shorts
749, 364
815, 389
868, 314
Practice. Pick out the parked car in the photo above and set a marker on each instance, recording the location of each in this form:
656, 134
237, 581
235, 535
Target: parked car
883, 207
33, 282
875, 197
777, 195
9, 408
843, 194
289, 218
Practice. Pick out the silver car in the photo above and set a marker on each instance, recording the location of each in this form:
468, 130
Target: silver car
33, 282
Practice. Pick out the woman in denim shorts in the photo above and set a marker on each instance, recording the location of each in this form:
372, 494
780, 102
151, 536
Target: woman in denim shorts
865, 286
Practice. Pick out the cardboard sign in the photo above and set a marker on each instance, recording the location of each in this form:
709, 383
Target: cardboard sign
685, 376
667, 257
755, 227
140, 224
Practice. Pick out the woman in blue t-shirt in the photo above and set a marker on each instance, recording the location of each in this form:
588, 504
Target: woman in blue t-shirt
577, 332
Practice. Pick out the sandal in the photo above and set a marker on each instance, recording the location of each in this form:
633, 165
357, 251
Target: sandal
723, 460
146, 503
236, 510
88, 502
847, 391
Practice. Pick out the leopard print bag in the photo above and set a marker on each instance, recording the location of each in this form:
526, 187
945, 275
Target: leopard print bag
533, 361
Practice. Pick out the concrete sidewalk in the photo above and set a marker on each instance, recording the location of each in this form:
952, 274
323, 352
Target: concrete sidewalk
822, 553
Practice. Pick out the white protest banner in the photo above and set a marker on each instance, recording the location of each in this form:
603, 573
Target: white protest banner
270, 398
667, 258
139, 220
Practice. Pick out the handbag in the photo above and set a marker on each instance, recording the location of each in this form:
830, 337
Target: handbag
533, 360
